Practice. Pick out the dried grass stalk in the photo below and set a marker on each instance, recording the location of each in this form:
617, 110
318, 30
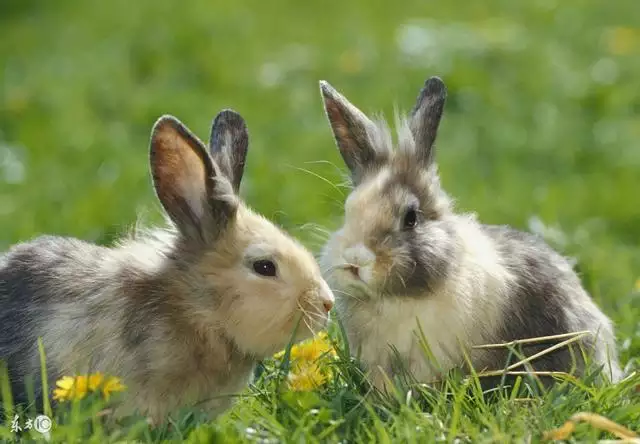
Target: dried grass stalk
595, 420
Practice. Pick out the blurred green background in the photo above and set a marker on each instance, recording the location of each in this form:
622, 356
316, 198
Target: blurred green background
541, 127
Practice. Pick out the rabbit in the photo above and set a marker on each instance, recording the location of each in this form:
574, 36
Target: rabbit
404, 260
181, 314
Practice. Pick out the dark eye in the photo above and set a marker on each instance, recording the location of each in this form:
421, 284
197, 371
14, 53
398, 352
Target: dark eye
264, 267
410, 219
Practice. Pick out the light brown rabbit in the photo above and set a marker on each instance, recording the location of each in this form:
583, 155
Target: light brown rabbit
405, 256
181, 314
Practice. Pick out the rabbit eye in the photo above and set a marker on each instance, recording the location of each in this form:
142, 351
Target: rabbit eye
264, 267
410, 219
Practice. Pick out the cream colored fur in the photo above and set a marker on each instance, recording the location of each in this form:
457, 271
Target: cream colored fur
460, 313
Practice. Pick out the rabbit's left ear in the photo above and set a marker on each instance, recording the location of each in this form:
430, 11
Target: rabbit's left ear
352, 131
425, 117
186, 181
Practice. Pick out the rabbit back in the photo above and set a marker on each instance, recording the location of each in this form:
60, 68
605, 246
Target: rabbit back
41, 288
98, 309
546, 298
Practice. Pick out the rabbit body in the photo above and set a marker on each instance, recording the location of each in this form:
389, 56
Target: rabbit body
405, 261
180, 314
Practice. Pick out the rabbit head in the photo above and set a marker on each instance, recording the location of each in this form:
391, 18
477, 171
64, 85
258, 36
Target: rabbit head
235, 271
395, 239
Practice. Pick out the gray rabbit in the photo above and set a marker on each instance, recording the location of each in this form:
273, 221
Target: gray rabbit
180, 314
404, 254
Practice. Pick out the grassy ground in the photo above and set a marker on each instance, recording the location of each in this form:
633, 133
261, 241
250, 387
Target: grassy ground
540, 131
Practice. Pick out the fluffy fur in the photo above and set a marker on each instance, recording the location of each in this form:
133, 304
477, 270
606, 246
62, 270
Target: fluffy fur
180, 314
404, 256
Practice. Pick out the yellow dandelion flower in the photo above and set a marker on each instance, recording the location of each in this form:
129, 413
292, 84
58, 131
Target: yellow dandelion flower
70, 388
311, 349
309, 359
308, 376
637, 286
315, 349
75, 388
95, 381
111, 385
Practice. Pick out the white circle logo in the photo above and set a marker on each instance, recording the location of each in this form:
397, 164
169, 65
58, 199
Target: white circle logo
42, 424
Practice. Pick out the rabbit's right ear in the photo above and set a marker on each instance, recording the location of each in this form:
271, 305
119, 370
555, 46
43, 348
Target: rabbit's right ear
187, 181
351, 129
228, 143
425, 118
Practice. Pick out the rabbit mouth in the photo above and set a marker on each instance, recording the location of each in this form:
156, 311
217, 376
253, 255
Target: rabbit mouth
313, 318
352, 276
352, 272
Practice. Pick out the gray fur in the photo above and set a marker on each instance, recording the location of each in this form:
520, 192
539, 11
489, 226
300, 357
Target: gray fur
166, 310
425, 117
27, 273
425, 260
229, 143
545, 286
51, 271
353, 132
38, 277
505, 284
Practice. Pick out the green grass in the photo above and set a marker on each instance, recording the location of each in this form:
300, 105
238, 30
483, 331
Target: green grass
542, 123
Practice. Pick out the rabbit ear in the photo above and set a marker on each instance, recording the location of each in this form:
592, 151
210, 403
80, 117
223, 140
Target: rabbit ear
228, 143
426, 115
185, 180
351, 130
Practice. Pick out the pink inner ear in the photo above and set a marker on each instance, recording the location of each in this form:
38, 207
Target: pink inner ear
179, 170
333, 111
340, 126
337, 120
193, 193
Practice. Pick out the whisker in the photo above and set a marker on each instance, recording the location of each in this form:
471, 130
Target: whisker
315, 316
349, 295
398, 266
338, 169
415, 265
313, 333
324, 179
404, 283
312, 226
384, 281
304, 317
319, 234
311, 329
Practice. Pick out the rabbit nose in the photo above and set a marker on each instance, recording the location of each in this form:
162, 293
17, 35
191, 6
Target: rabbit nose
326, 296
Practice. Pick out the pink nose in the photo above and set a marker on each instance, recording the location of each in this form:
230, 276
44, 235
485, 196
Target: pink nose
328, 305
